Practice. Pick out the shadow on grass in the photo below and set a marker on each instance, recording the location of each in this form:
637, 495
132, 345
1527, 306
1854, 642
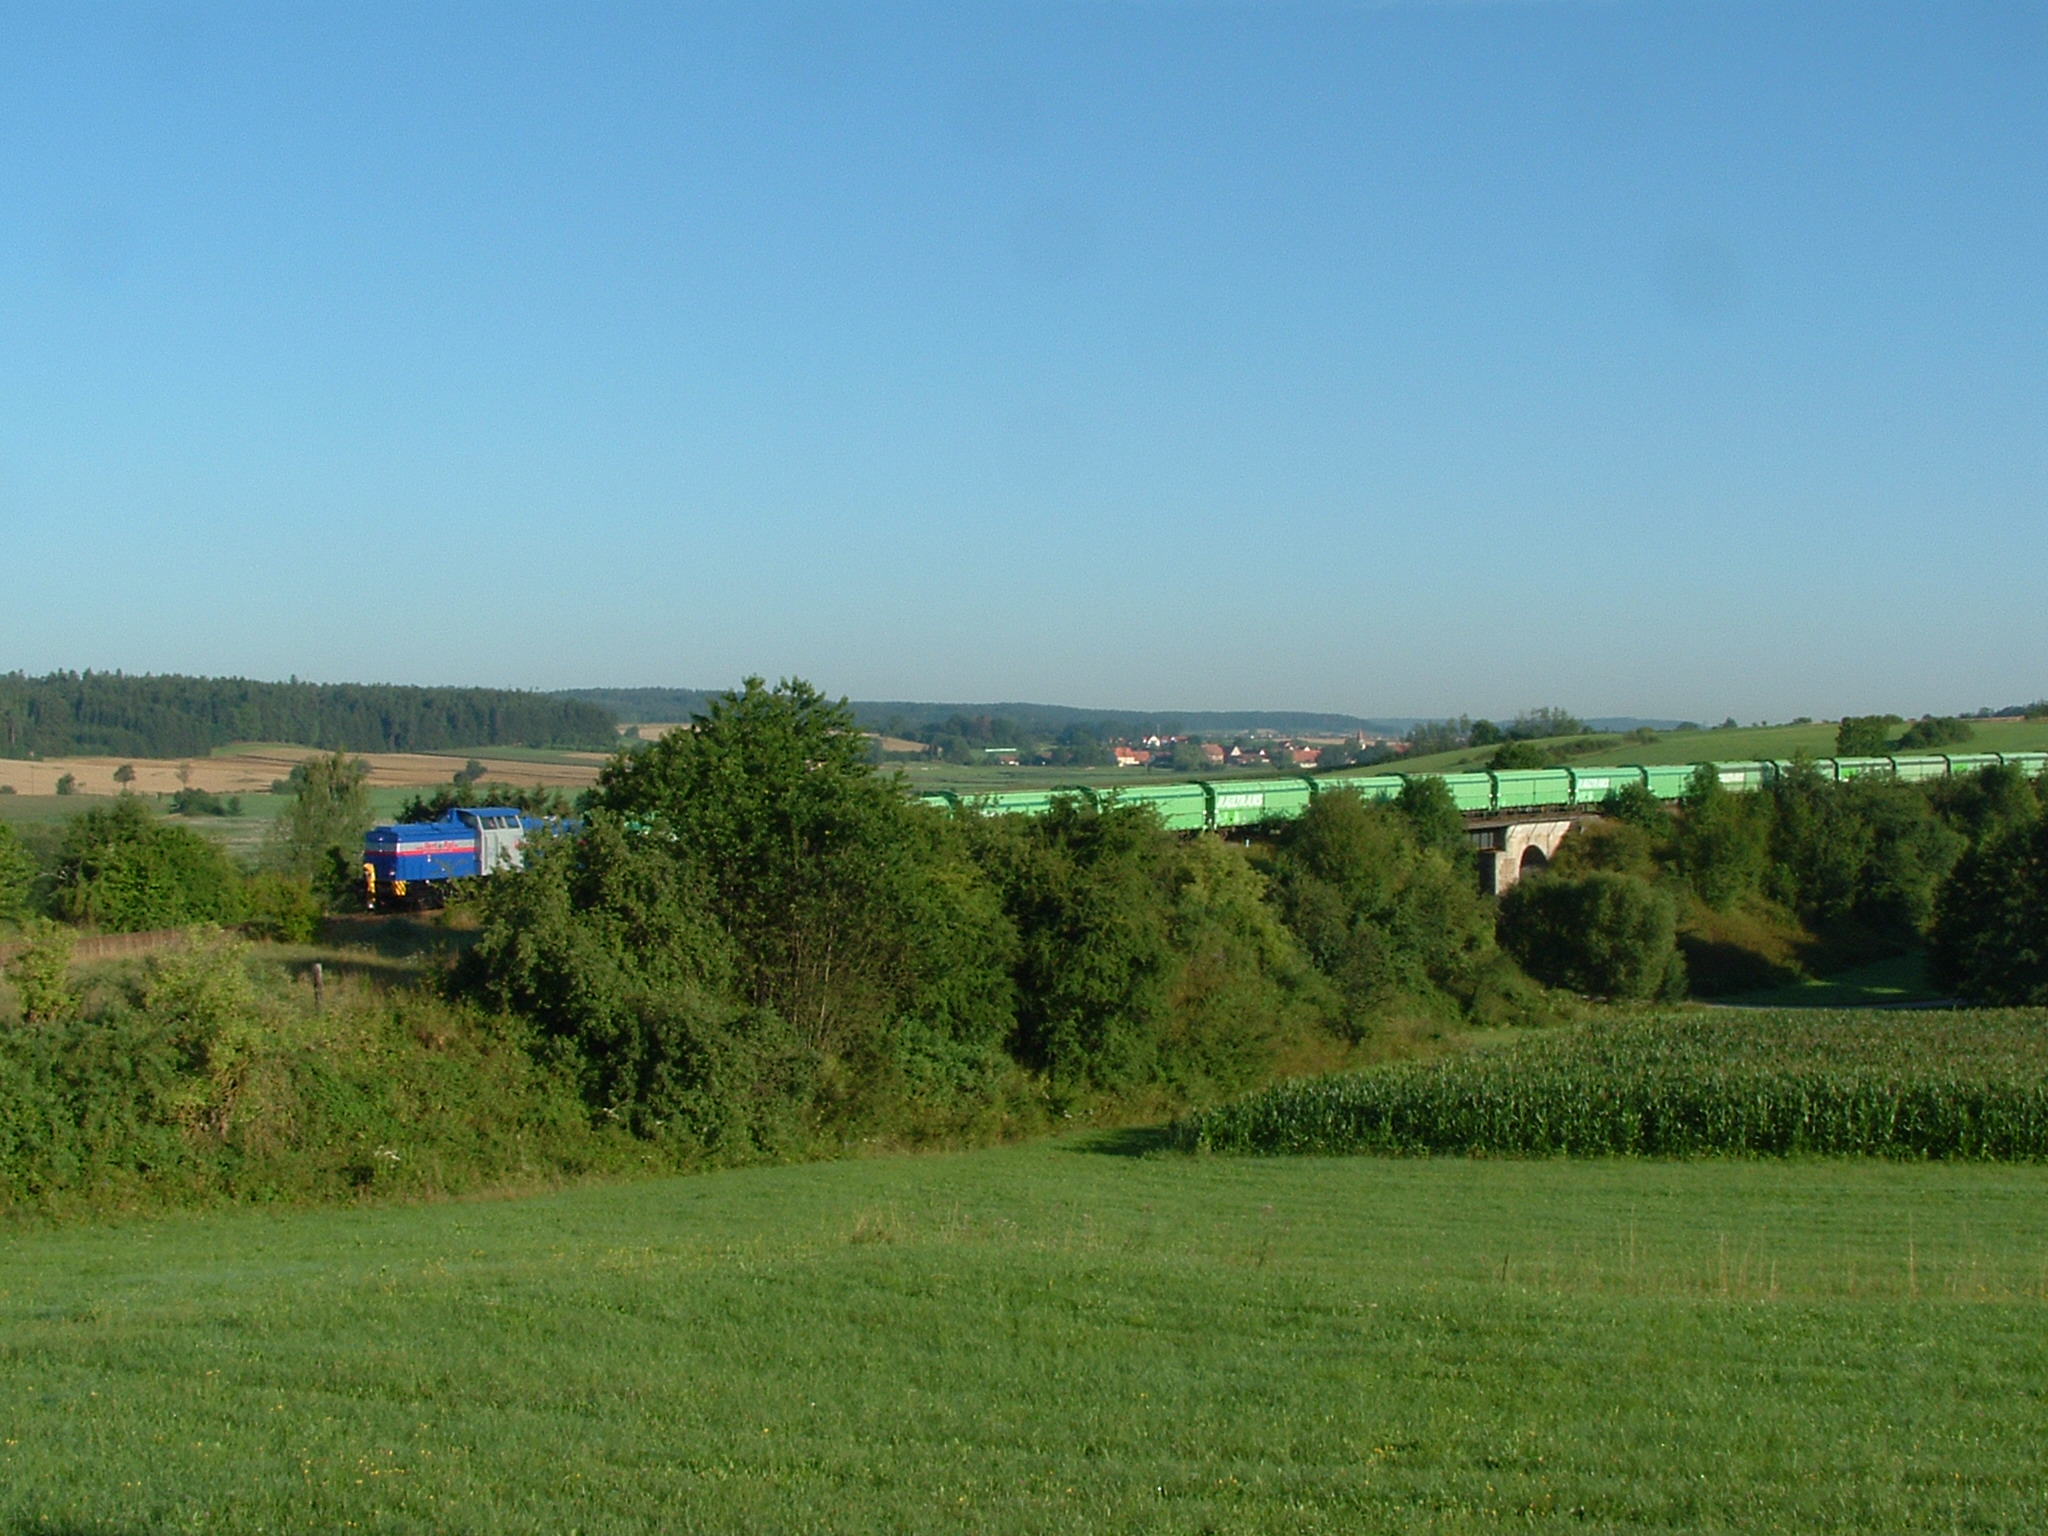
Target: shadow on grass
1124, 1141
37, 1525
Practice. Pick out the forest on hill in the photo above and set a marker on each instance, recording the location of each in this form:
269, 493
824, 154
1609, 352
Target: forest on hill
115, 714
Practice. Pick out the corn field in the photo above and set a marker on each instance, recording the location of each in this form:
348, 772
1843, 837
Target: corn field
1867, 1084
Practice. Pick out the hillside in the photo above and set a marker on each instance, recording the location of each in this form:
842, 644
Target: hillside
1741, 743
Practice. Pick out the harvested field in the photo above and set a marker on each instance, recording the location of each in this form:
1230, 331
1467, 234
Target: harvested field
238, 772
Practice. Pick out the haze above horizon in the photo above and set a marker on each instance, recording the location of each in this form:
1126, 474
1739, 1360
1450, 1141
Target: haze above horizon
1392, 360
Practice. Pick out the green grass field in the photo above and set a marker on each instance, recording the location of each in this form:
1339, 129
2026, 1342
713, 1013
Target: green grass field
1745, 743
1056, 1338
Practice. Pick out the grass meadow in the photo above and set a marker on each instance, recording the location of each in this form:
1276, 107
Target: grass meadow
1060, 1337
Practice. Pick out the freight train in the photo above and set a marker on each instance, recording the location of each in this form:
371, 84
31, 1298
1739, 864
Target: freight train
412, 865
1219, 804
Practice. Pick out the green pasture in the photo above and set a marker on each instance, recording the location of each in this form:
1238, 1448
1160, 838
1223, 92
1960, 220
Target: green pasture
1744, 743
1900, 981
1062, 1337
241, 835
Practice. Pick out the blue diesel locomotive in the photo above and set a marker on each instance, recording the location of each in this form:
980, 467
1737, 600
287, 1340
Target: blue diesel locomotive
409, 865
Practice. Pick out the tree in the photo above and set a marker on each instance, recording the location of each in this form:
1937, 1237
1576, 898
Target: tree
1932, 732
1541, 724
1863, 735
1601, 934
320, 835
1380, 914
1516, 753
17, 876
1635, 805
852, 909
1427, 737
1143, 957
122, 870
1722, 840
67, 784
1432, 814
125, 775
1990, 930
1484, 733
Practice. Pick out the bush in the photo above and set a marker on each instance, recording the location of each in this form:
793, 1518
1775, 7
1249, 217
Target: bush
1600, 935
1144, 959
200, 802
1932, 732
209, 1080
280, 908
121, 869
17, 876
41, 974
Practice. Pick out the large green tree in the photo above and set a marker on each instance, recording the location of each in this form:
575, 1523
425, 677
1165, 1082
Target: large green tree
852, 910
1380, 912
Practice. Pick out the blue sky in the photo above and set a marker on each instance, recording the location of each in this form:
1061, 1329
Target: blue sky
1402, 359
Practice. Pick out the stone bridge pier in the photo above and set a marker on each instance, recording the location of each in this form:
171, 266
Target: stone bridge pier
1510, 849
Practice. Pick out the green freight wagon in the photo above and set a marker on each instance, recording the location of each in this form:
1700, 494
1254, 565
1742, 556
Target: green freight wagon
1592, 786
1529, 789
1918, 770
1025, 802
1181, 807
1741, 776
1667, 781
1248, 802
1469, 791
2029, 763
1971, 762
1368, 787
1861, 767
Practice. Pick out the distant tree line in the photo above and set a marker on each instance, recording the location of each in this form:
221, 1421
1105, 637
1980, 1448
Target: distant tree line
114, 714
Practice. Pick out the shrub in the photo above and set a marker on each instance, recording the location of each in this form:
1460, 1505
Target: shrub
1600, 935
200, 802
123, 870
280, 908
1933, 732
17, 876
41, 974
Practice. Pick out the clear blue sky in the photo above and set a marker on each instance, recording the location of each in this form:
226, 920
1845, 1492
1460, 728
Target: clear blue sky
1401, 359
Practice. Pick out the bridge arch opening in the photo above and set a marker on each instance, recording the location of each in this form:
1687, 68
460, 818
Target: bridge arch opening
1534, 859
